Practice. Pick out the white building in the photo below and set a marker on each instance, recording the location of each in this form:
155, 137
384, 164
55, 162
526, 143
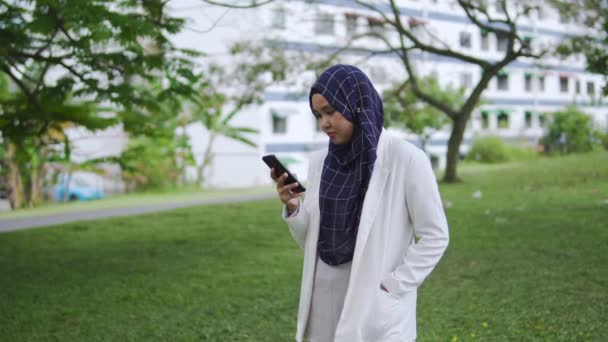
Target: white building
514, 102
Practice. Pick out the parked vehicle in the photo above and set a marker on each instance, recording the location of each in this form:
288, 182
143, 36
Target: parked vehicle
79, 190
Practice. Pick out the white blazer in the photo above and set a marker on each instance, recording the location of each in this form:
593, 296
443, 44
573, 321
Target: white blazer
402, 201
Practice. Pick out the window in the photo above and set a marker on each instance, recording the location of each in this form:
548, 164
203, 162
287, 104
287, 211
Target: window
485, 122
485, 40
324, 24
528, 81
466, 80
542, 120
502, 81
527, 42
351, 24
502, 42
278, 18
503, 120
577, 86
590, 88
540, 13
528, 119
465, 39
417, 27
279, 123
498, 7
375, 25
541, 83
563, 84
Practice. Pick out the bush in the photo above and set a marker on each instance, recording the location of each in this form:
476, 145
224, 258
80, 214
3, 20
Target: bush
601, 139
494, 150
488, 150
570, 131
149, 164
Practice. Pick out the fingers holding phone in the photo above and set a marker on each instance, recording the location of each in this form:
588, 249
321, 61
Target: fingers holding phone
288, 187
278, 169
285, 191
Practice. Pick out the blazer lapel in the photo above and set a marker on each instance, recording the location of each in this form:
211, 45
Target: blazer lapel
373, 198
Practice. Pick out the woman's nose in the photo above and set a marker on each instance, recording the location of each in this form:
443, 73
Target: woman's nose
324, 122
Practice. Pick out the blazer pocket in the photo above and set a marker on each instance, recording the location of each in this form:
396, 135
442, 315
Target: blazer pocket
388, 315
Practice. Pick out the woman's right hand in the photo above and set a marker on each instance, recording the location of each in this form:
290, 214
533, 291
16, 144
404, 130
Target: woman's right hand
286, 196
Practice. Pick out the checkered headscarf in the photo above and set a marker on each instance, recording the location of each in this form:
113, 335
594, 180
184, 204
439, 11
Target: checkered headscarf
347, 168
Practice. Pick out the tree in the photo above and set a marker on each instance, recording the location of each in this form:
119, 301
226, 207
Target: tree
158, 152
64, 57
229, 89
27, 134
594, 44
403, 107
409, 42
414, 37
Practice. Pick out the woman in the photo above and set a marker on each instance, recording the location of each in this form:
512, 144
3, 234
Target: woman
368, 196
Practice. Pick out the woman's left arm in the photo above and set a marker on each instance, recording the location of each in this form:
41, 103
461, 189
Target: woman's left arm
430, 226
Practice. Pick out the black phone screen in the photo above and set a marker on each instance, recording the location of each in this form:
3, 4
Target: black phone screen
273, 162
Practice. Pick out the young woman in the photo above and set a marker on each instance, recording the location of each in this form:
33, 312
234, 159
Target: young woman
369, 196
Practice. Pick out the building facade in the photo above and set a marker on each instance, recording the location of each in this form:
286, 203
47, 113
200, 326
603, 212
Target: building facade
516, 105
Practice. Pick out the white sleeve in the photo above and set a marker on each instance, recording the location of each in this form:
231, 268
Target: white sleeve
298, 223
430, 226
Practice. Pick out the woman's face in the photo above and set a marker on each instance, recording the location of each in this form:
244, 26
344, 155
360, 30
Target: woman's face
332, 122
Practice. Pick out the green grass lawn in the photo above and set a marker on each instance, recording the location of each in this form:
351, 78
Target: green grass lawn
527, 261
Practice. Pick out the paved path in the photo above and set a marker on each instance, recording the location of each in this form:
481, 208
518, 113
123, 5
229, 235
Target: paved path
11, 224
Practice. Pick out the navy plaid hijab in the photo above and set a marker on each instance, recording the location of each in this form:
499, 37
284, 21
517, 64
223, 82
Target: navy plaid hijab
347, 168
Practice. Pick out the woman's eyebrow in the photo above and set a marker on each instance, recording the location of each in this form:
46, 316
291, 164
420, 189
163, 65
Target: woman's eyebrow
325, 108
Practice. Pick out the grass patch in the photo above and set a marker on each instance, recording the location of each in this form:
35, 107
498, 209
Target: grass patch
527, 262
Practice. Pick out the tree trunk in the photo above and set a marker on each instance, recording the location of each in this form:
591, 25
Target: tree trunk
37, 181
15, 184
207, 159
66, 185
459, 125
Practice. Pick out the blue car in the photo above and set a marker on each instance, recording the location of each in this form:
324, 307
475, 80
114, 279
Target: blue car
77, 191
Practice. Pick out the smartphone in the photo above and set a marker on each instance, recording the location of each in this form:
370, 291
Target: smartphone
274, 163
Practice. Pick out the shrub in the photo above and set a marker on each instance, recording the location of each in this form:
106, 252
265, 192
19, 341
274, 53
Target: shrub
149, 164
570, 131
601, 139
488, 150
494, 150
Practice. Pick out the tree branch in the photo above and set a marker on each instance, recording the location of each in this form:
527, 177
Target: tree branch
252, 4
397, 23
412, 78
505, 10
15, 66
41, 77
467, 6
48, 43
213, 25
32, 98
